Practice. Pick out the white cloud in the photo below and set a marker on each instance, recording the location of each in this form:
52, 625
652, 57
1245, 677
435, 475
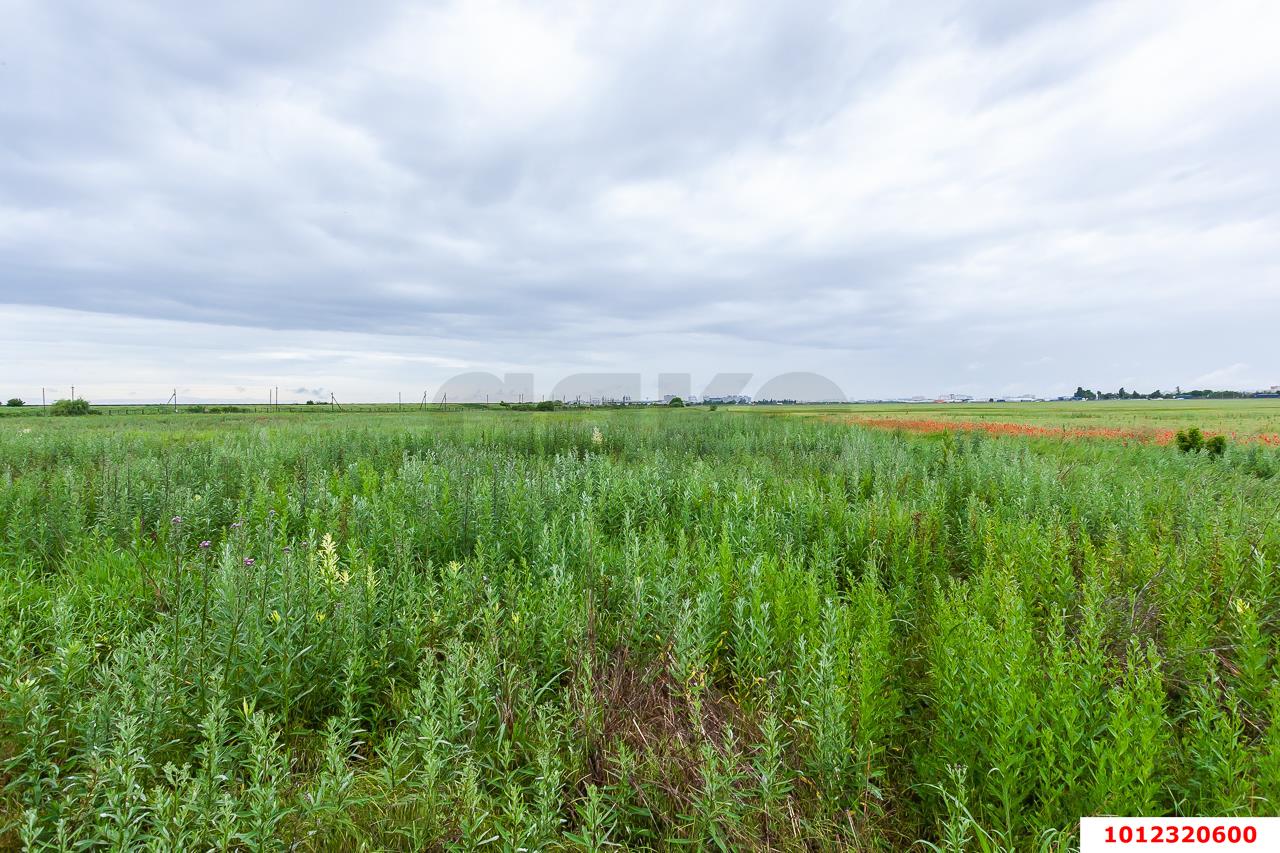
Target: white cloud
883, 199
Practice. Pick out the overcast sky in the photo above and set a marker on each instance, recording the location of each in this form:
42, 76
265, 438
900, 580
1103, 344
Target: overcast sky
370, 198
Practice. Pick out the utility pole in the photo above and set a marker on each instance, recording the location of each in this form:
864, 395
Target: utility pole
175, 400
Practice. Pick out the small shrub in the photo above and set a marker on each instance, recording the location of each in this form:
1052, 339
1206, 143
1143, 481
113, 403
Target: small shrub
1193, 441
1190, 440
77, 406
676, 403
15, 402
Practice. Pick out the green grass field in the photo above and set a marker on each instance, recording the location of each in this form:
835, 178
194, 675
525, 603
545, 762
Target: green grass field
1242, 417
755, 628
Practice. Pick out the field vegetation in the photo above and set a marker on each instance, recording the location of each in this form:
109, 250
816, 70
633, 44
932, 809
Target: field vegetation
1237, 419
624, 630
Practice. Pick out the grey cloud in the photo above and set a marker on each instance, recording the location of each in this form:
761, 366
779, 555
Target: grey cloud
614, 188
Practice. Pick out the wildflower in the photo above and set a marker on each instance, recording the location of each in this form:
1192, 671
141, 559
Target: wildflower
329, 562
319, 617
204, 545
177, 519
275, 616
196, 498
288, 550
1242, 607
236, 525
248, 561
597, 437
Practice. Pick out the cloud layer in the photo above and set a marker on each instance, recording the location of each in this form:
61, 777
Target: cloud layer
366, 200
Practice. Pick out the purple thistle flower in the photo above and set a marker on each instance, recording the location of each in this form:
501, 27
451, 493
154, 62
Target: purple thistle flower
177, 519
288, 550
235, 525
205, 544
248, 561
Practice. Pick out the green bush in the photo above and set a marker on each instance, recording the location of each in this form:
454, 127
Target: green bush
216, 410
1189, 440
1193, 441
78, 406
676, 403
15, 402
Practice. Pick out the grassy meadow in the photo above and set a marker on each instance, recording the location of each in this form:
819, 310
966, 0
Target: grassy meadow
1242, 419
740, 629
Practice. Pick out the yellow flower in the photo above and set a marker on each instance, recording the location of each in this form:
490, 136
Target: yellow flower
1241, 606
319, 617
275, 616
329, 562
196, 498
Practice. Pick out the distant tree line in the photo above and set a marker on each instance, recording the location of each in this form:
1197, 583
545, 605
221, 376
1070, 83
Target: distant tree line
541, 406
1083, 393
